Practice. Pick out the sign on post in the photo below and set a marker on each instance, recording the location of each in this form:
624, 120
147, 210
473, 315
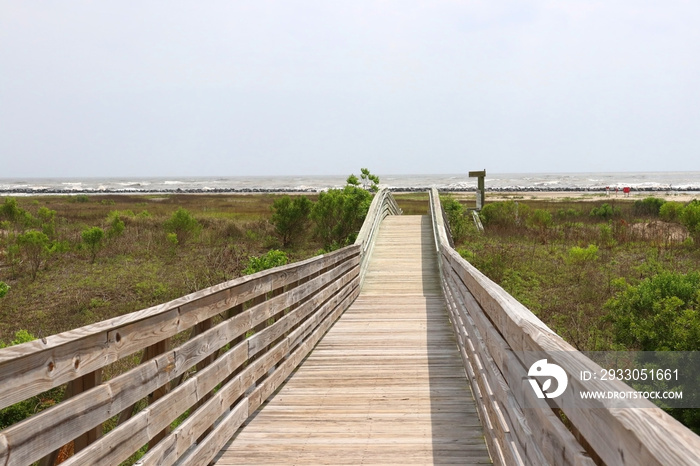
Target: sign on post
480, 193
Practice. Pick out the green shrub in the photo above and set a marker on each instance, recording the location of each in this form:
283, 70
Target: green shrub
116, 225
369, 181
607, 237
338, 215
458, 222
10, 210
659, 314
578, 255
273, 258
690, 217
47, 218
540, 220
92, 237
569, 213
34, 246
671, 211
4, 288
504, 214
605, 211
82, 198
183, 224
648, 206
291, 218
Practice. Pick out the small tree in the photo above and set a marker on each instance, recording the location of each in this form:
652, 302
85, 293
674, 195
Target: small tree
92, 237
10, 210
605, 211
47, 217
35, 247
273, 258
183, 224
338, 215
291, 218
116, 225
369, 181
671, 211
690, 217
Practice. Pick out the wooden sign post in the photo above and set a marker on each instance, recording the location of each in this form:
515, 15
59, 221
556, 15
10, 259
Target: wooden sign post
480, 193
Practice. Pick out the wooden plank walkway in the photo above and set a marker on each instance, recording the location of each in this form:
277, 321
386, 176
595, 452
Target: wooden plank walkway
385, 385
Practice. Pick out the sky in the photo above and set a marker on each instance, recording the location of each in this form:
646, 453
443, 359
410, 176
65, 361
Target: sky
265, 88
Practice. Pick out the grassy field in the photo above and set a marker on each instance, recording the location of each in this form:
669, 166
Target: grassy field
567, 259
137, 269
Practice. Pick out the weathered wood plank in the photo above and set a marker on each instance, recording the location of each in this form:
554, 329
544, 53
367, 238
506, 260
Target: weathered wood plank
621, 436
43, 364
383, 386
153, 377
552, 438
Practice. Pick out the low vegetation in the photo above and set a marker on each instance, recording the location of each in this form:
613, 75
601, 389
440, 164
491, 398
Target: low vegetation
68, 261
609, 276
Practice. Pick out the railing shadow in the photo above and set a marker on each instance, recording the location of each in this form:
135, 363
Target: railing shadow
454, 420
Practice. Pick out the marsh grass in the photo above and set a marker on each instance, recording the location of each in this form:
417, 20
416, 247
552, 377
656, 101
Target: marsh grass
566, 271
137, 269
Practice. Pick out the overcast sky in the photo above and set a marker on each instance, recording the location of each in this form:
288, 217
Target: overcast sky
230, 88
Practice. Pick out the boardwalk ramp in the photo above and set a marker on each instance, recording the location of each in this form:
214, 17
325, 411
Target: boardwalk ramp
385, 385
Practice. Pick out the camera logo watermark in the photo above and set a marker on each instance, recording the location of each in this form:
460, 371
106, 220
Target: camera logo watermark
542, 368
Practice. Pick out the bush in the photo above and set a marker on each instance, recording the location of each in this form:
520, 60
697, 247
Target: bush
92, 237
291, 218
671, 211
690, 217
47, 217
10, 210
338, 215
183, 224
658, 314
116, 225
578, 255
34, 247
273, 258
540, 220
456, 218
605, 211
4, 288
648, 206
504, 214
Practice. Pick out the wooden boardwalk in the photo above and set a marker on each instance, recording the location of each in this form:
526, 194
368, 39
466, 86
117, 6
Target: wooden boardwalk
386, 385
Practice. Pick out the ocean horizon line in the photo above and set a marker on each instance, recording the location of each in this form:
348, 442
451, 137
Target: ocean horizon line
455, 182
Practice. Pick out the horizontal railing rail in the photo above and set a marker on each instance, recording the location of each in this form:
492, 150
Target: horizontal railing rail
383, 204
494, 333
208, 360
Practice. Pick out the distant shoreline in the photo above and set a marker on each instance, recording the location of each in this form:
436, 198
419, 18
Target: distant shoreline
512, 190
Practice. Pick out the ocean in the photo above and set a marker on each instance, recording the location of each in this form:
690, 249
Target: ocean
640, 181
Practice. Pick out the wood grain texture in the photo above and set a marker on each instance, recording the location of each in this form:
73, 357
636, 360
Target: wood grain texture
383, 204
385, 385
617, 436
32, 368
82, 415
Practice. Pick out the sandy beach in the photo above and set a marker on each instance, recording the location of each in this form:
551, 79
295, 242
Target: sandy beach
592, 196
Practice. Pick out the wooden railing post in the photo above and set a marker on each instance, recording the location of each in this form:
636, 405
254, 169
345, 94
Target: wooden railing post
74, 387
149, 353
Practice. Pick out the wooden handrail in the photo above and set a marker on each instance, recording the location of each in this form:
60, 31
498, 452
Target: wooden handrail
495, 334
246, 337
383, 204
